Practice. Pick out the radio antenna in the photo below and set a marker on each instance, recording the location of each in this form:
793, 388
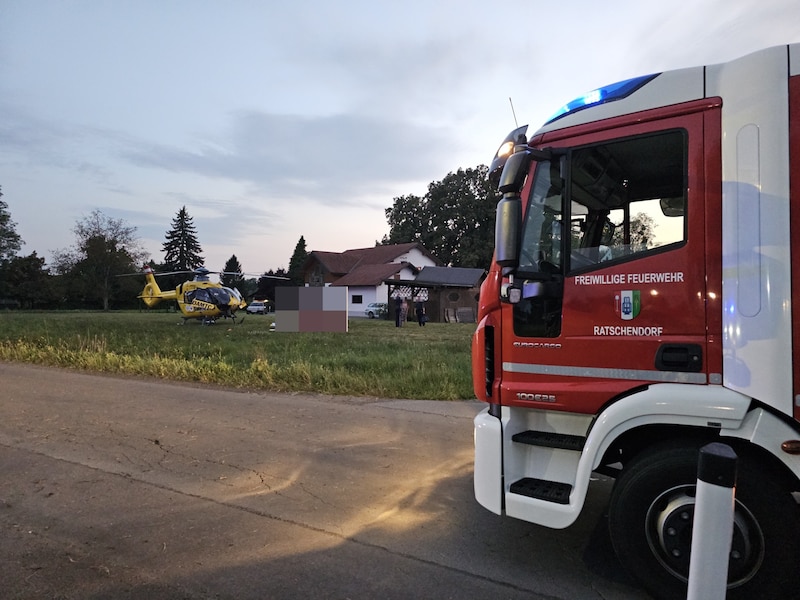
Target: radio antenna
513, 112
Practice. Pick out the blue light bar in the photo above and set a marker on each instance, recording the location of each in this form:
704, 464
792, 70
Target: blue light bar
603, 95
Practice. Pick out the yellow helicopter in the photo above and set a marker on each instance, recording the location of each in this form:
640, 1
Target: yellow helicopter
199, 298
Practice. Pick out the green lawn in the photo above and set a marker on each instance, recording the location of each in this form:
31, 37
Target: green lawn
374, 359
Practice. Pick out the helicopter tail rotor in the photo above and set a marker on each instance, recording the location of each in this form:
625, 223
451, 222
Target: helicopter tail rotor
151, 295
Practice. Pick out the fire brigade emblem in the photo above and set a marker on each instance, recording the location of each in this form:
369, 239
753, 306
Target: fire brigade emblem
628, 303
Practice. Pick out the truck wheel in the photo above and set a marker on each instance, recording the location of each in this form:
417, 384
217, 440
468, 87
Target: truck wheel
650, 520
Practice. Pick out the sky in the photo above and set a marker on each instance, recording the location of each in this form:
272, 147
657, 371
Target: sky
270, 121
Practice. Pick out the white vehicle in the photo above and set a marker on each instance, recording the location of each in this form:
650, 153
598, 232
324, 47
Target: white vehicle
256, 307
376, 310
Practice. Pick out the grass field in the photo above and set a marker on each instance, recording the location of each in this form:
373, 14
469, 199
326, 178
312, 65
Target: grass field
374, 359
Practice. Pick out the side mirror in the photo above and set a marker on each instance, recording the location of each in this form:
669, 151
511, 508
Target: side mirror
511, 293
673, 207
514, 173
507, 231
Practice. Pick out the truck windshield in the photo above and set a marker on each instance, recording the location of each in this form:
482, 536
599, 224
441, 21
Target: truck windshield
608, 202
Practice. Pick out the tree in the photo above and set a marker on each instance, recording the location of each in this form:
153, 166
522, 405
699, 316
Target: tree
462, 213
232, 274
182, 251
28, 281
297, 261
642, 232
454, 220
10, 241
267, 284
105, 247
406, 220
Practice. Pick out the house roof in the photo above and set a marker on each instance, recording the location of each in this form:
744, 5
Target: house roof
449, 277
340, 263
333, 262
432, 277
370, 275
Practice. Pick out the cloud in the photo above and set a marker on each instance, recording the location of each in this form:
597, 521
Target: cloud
268, 121
687, 33
39, 142
328, 159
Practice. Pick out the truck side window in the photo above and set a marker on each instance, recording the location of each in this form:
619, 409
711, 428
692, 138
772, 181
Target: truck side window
539, 314
541, 239
626, 197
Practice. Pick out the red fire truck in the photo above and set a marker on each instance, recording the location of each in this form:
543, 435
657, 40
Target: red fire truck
640, 305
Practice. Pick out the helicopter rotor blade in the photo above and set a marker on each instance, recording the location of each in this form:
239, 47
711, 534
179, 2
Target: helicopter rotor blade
204, 271
256, 275
143, 273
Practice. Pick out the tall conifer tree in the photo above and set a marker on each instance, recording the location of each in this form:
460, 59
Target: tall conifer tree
232, 274
297, 261
182, 251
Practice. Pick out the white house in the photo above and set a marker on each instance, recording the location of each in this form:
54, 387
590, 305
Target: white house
365, 270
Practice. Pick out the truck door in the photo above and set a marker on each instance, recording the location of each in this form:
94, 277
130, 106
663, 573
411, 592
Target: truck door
613, 269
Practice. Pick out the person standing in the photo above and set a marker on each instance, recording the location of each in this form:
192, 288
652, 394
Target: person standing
398, 311
419, 308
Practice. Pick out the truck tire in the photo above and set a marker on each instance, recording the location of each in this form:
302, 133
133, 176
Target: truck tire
650, 522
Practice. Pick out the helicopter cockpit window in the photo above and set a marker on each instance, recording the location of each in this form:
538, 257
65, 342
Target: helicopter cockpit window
219, 295
199, 294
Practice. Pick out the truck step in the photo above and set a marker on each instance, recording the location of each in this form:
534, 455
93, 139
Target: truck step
549, 439
552, 491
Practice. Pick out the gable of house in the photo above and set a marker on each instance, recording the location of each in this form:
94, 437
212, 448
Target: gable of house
374, 275
359, 264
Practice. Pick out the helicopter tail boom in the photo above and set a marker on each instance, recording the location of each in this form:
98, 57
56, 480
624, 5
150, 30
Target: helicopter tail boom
152, 294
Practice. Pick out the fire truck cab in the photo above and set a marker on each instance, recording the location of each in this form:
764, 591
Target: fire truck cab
640, 305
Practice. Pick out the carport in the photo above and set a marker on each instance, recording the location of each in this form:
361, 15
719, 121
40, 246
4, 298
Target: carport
450, 294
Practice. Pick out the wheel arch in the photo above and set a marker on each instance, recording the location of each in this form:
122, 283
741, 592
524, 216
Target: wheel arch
661, 410
633, 442
696, 415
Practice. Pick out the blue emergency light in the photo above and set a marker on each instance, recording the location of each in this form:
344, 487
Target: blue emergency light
603, 95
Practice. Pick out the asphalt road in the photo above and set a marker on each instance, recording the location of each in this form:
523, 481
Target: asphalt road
138, 489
